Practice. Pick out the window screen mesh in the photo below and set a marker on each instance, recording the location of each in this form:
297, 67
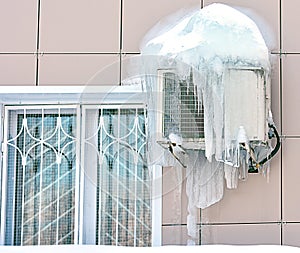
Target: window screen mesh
123, 209
41, 170
41, 177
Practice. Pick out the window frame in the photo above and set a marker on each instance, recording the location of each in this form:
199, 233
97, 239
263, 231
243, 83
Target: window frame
84, 141
74, 97
4, 164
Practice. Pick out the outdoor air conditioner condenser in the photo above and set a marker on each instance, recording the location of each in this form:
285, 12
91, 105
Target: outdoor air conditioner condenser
246, 107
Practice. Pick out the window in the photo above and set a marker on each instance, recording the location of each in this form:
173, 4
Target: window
117, 176
77, 174
41, 172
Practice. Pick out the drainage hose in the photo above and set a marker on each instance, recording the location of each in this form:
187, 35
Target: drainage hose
276, 148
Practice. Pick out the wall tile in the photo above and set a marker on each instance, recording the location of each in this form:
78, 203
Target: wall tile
141, 16
290, 94
241, 234
79, 70
174, 196
80, 26
290, 22
255, 200
130, 66
17, 69
291, 175
18, 25
174, 235
291, 234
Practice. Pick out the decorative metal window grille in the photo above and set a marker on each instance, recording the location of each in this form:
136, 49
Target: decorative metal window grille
41, 157
123, 193
54, 195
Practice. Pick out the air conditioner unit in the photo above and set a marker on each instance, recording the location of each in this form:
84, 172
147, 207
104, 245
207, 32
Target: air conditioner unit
179, 110
246, 104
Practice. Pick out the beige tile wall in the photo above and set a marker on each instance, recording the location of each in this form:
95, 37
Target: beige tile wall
18, 26
80, 26
140, 16
241, 234
66, 42
79, 69
17, 69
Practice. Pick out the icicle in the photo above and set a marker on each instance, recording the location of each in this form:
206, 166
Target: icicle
231, 175
243, 169
192, 230
205, 179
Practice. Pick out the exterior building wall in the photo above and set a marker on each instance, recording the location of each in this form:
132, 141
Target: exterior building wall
65, 42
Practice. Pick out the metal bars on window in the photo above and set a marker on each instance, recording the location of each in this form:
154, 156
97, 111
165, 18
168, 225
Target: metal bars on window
123, 185
40, 171
54, 195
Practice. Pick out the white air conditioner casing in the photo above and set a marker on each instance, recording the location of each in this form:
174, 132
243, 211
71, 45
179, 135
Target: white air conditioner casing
246, 104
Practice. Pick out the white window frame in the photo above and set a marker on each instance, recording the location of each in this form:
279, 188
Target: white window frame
7, 108
75, 96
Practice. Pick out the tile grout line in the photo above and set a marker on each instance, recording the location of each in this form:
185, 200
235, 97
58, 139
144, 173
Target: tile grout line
200, 227
121, 42
281, 120
38, 43
69, 53
200, 211
232, 223
108, 53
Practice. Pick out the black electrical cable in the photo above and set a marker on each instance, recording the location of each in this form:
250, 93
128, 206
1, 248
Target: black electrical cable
275, 150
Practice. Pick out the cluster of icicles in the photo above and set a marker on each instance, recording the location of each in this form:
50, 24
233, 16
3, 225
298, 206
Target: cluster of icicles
205, 43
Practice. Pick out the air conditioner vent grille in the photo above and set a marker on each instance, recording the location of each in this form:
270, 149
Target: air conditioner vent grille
181, 108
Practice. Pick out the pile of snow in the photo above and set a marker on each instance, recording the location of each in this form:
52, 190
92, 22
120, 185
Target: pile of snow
215, 35
164, 249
